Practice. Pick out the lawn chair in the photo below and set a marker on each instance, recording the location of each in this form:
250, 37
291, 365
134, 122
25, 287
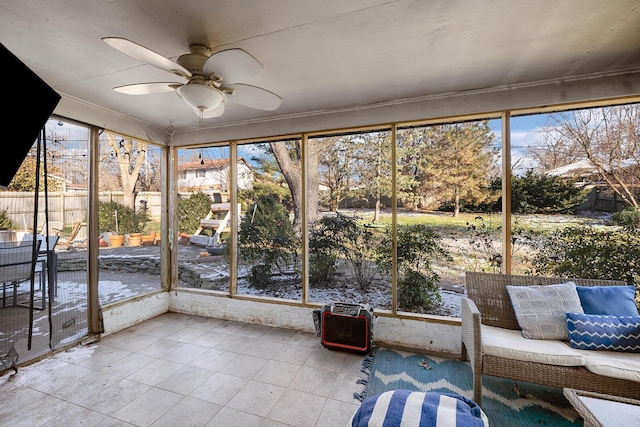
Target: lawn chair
16, 267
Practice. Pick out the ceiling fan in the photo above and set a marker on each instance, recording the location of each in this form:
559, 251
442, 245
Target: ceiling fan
210, 79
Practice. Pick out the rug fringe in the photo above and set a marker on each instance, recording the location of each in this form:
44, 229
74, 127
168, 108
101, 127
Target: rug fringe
367, 363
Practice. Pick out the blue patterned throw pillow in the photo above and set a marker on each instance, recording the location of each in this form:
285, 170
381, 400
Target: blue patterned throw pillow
599, 332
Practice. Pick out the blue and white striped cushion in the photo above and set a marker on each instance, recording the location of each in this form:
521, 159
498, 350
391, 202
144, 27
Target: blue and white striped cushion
601, 332
420, 409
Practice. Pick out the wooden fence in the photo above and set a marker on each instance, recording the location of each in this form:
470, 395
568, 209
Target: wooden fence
66, 208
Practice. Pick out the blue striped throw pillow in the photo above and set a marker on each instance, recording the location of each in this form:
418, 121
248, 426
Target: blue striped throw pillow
600, 332
416, 408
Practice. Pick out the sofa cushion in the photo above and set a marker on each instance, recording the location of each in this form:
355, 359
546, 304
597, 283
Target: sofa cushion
613, 364
613, 300
540, 310
510, 344
599, 332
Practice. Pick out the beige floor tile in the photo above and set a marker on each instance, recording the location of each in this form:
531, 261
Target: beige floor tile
294, 354
79, 391
116, 396
187, 334
189, 412
186, 353
228, 417
305, 339
345, 386
133, 342
256, 398
244, 366
78, 416
211, 338
37, 413
314, 380
297, 408
277, 373
16, 398
280, 335
272, 423
148, 407
229, 326
155, 372
160, 348
236, 343
128, 365
336, 413
214, 359
185, 380
103, 356
263, 348
253, 331
330, 360
163, 330
219, 388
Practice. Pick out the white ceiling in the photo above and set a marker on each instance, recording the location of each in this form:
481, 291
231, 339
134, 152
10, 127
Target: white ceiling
320, 56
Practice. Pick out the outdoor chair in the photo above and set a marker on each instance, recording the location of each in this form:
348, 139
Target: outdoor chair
16, 264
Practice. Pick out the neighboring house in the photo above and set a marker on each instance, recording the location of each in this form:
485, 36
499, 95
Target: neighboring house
212, 175
601, 196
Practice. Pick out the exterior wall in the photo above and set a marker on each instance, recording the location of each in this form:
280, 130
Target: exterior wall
439, 336
215, 179
124, 314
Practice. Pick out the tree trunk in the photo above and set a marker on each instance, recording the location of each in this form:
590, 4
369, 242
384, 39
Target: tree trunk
292, 171
130, 161
456, 207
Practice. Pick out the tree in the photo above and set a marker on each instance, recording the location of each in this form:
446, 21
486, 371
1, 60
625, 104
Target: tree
608, 137
453, 162
130, 157
336, 171
541, 193
288, 154
373, 166
25, 177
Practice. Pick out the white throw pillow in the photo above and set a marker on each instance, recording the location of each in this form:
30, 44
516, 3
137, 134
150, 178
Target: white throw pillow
541, 310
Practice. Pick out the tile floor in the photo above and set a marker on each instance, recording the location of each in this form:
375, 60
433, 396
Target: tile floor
183, 370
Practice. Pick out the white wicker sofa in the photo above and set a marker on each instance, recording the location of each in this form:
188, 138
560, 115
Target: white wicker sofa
493, 342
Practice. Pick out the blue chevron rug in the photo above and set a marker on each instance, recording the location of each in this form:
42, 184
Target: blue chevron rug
534, 405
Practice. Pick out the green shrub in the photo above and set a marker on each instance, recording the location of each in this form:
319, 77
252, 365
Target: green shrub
191, 210
418, 246
324, 248
6, 223
587, 252
128, 220
267, 239
628, 218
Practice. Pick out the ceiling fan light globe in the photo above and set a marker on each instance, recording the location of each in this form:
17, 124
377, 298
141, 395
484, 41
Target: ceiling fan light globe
202, 97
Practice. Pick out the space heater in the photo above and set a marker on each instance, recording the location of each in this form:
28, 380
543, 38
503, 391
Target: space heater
347, 327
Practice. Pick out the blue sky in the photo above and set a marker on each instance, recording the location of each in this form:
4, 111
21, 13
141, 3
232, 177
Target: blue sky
525, 132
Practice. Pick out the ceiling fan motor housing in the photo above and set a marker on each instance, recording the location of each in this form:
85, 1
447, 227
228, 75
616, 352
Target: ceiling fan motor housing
194, 61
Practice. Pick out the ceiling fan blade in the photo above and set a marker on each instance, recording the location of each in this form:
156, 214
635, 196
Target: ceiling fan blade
146, 55
147, 88
233, 65
214, 112
254, 97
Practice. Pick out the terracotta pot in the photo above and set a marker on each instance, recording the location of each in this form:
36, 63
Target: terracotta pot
102, 243
135, 240
135, 234
148, 240
116, 240
183, 239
